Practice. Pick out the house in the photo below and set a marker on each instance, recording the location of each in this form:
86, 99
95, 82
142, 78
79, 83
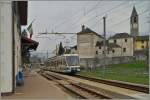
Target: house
117, 49
86, 41
141, 47
112, 49
12, 16
141, 43
125, 41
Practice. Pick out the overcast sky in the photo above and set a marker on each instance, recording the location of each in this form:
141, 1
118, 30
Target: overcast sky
68, 16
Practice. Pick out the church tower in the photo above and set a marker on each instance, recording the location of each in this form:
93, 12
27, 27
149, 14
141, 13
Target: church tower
134, 23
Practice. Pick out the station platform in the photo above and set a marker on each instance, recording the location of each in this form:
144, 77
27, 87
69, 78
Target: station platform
37, 87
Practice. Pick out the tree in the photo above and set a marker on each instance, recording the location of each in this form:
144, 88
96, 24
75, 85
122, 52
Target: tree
61, 49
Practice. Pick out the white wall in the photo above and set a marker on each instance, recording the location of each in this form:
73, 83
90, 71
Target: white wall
96, 38
6, 46
86, 45
128, 45
17, 46
117, 52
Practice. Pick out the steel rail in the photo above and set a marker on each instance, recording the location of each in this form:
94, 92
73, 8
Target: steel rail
75, 88
82, 89
126, 85
131, 86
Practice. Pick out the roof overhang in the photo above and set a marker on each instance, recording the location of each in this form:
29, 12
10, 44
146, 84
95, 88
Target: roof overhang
31, 44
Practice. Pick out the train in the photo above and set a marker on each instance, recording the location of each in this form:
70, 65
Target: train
67, 64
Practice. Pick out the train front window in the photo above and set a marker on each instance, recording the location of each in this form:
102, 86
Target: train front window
72, 60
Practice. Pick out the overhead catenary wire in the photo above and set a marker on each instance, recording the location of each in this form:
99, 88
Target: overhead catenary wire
113, 25
143, 3
109, 10
120, 21
123, 20
116, 7
123, 3
98, 15
89, 10
71, 17
85, 14
127, 19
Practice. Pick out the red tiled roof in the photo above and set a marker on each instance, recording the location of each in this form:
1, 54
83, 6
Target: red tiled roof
29, 42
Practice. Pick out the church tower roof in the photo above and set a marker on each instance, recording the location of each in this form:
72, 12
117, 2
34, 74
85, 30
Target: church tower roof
134, 12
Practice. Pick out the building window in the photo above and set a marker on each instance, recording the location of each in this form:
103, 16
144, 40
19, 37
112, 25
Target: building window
142, 41
142, 47
99, 47
103, 52
125, 40
135, 20
97, 52
115, 41
113, 51
124, 49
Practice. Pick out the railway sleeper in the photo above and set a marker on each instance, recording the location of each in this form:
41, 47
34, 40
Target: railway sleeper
47, 77
81, 92
92, 91
56, 77
96, 92
104, 92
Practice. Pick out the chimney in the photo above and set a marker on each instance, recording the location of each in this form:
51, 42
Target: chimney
83, 27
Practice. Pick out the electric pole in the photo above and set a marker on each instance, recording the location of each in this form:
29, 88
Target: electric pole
104, 42
47, 54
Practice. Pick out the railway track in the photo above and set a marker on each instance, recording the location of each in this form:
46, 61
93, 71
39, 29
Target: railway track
126, 85
136, 87
84, 91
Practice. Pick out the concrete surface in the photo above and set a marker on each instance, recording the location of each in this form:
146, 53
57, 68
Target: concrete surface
37, 87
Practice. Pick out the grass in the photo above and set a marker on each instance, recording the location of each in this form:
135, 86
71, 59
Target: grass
135, 72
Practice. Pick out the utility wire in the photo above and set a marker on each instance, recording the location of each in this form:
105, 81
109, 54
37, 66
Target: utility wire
122, 3
70, 18
126, 7
89, 11
109, 10
127, 19
116, 23
102, 13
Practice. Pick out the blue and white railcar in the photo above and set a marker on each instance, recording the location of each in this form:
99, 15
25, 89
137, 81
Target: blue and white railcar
67, 63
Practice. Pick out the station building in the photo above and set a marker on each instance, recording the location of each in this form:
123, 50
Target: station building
13, 14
